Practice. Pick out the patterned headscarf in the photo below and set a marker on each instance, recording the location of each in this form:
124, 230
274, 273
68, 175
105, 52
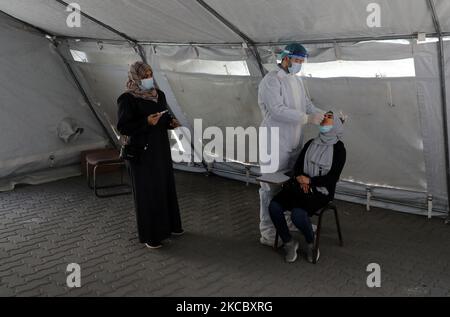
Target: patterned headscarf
136, 73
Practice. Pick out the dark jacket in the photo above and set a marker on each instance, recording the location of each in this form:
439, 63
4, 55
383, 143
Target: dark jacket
292, 196
133, 118
332, 177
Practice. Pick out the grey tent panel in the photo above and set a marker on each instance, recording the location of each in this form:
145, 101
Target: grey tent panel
161, 21
51, 16
287, 20
419, 156
37, 96
186, 21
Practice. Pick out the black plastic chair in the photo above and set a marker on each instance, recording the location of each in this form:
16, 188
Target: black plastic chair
329, 207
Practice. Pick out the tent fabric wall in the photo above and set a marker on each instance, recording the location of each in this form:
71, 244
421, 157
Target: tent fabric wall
103, 76
361, 51
37, 93
204, 95
186, 21
379, 159
443, 12
287, 20
406, 127
417, 167
179, 21
384, 143
387, 172
51, 16
415, 126
430, 105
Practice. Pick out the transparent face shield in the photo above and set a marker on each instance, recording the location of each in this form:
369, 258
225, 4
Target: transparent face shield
282, 55
303, 58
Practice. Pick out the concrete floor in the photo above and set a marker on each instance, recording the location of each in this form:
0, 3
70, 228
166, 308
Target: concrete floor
44, 228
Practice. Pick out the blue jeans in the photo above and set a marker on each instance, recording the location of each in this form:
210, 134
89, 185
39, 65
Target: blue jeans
300, 219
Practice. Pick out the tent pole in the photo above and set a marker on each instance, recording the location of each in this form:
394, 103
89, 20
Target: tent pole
109, 28
233, 28
320, 41
45, 32
141, 53
352, 39
441, 56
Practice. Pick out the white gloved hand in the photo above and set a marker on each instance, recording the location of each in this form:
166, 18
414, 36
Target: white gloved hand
315, 118
342, 116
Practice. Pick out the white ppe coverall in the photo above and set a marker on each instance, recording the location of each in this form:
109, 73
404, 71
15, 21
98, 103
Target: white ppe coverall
284, 104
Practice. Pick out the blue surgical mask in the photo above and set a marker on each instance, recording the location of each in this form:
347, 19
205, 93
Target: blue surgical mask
325, 128
147, 84
295, 68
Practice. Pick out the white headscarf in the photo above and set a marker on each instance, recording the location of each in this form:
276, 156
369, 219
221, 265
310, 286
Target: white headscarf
319, 156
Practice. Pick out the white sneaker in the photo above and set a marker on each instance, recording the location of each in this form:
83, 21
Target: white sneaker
270, 242
291, 251
158, 246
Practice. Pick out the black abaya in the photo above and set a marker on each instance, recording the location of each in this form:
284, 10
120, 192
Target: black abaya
154, 192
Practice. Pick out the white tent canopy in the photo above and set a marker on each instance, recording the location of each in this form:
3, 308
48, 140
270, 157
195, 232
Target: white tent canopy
209, 56
187, 21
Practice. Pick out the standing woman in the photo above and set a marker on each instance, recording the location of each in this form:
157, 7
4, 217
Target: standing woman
141, 119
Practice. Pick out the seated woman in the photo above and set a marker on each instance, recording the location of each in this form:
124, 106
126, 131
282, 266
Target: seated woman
316, 173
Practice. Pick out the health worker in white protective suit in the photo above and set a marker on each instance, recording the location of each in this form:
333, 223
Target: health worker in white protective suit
284, 104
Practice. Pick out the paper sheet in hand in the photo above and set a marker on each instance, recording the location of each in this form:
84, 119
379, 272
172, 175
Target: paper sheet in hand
273, 178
